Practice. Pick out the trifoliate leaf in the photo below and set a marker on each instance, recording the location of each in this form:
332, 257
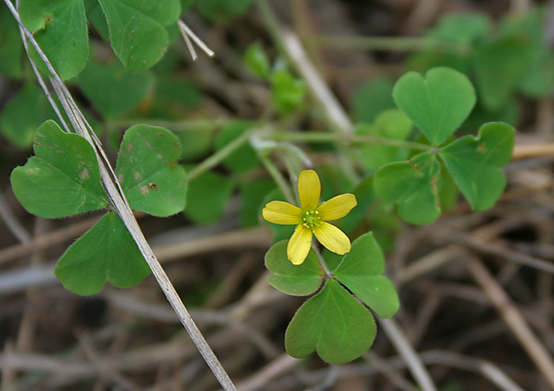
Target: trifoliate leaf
474, 163
438, 103
106, 252
295, 280
361, 271
63, 179
332, 322
148, 171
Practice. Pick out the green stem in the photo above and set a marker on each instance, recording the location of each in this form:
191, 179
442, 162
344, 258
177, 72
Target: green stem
389, 43
277, 177
220, 155
322, 263
175, 126
312, 137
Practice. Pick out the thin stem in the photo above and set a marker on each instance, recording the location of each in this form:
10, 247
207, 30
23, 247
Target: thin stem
389, 43
220, 155
277, 177
312, 137
175, 126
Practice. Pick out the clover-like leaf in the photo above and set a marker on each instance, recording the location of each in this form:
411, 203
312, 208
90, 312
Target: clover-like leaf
295, 280
413, 185
106, 252
148, 171
137, 31
438, 103
60, 28
361, 271
474, 163
332, 322
63, 179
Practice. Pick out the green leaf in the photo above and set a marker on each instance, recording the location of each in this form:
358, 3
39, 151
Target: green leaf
413, 185
372, 98
208, 194
112, 90
461, 28
196, 141
106, 252
333, 323
252, 195
60, 29
63, 179
474, 163
294, 280
498, 69
23, 115
11, 47
437, 104
137, 31
222, 10
360, 271
173, 98
244, 158
257, 62
392, 124
148, 171
287, 92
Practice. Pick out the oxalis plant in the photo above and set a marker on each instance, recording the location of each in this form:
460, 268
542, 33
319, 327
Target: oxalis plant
413, 174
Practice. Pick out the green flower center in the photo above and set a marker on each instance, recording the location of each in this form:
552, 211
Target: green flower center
311, 219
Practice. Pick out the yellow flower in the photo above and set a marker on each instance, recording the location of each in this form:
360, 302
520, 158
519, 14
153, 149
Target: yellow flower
311, 218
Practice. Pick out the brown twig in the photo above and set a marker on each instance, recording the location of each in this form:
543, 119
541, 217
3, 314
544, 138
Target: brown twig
514, 320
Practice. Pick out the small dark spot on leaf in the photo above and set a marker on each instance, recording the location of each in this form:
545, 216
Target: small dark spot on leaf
171, 164
159, 134
481, 148
129, 147
152, 186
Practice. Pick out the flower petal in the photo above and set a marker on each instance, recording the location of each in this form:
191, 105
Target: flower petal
280, 212
309, 189
332, 238
337, 207
299, 245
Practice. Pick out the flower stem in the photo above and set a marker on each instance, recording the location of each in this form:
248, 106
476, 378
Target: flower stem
277, 177
322, 263
220, 155
312, 137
